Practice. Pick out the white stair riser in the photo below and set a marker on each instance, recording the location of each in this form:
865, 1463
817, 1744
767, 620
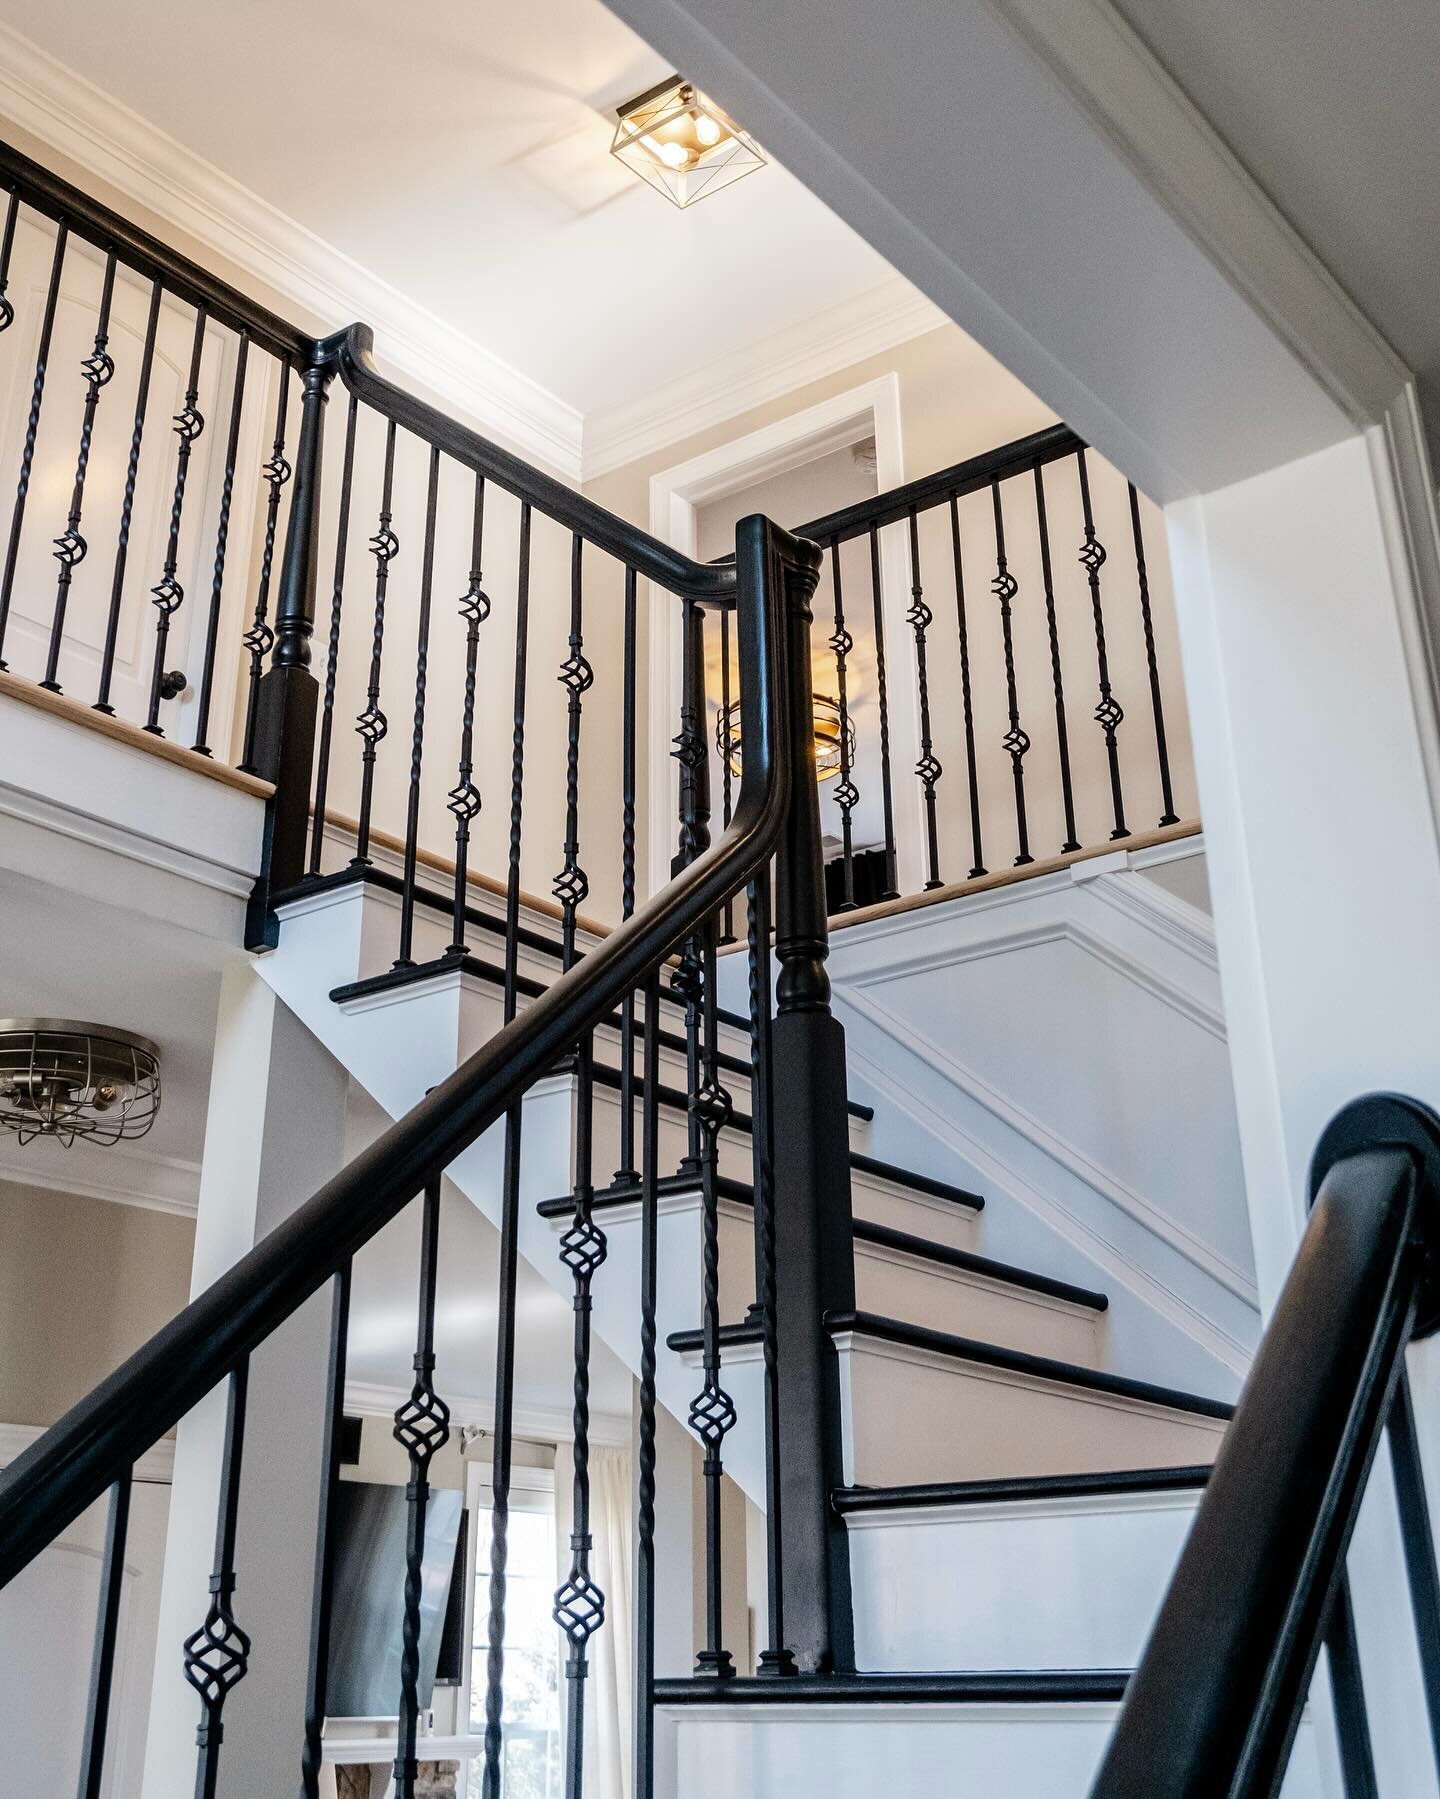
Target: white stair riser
913, 1415
1029, 1584
950, 1751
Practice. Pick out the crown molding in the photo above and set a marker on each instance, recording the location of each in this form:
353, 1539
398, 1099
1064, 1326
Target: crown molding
155, 1466
73, 116
122, 1174
837, 338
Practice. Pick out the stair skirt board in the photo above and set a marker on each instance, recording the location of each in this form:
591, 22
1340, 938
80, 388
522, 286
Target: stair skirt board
969, 1749
1035, 1582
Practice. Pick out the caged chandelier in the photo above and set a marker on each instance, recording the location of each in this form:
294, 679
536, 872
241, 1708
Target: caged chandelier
682, 143
65, 1080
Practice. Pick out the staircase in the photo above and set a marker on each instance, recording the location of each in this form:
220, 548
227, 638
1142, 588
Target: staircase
983, 1529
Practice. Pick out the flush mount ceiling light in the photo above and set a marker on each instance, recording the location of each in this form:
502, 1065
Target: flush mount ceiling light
682, 143
65, 1080
831, 736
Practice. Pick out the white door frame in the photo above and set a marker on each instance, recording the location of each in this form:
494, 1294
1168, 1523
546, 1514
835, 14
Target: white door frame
676, 494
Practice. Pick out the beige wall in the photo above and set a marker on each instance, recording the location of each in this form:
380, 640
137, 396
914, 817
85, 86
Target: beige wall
83, 1283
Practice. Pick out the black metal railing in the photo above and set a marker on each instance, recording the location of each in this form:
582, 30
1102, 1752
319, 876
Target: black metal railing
1215, 1704
1019, 655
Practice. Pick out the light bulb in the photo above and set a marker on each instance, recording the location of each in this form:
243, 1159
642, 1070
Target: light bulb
674, 155
706, 129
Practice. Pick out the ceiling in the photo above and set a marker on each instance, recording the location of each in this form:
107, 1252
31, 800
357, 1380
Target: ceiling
460, 151
1332, 108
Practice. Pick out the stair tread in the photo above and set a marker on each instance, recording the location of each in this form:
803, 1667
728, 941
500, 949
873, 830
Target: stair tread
742, 1193
885, 1236
493, 974
1046, 1684
922, 1494
971, 1349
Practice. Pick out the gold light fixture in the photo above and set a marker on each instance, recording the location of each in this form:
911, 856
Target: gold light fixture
830, 738
682, 143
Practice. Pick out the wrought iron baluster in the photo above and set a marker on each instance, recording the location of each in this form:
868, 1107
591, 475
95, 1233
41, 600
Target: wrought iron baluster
422, 1427
1016, 743
218, 1654
579, 1603
626, 1174
510, 1214
168, 593
694, 759
463, 799
260, 638
32, 427
70, 546
847, 795
722, 724
645, 1497
417, 737
127, 504
332, 653
318, 1682
920, 618
892, 890
1418, 1543
776, 1658
222, 538
1108, 714
7, 245
1061, 736
372, 723
712, 1411
1169, 816
107, 1620
962, 625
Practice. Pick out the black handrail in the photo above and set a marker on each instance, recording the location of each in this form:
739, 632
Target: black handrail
52, 1482
1213, 1708
106, 229
350, 353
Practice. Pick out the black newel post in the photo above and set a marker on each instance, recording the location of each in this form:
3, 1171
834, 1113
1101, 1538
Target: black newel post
814, 1273
287, 701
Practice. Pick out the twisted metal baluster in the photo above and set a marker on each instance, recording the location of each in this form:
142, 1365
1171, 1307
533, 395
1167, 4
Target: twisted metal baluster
579, 1603
260, 639
127, 504
509, 1214
776, 1659
962, 625
847, 795
694, 759
372, 724
222, 539
1005, 587
32, 427
417, 736
70, 547
107, 1621
626, 1174
1108, 713
217, 1655
919, 617
1157, 706
318, 1683
722, 720
645, 1458
712, 1411
463, 799
1061, 735
7, 245
168, 594
887, 799
332, 654
422, 1428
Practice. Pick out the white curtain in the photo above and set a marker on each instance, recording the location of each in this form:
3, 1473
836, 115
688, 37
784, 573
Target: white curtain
610, 1683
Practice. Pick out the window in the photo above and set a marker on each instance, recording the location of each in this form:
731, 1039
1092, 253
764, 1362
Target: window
531, 1768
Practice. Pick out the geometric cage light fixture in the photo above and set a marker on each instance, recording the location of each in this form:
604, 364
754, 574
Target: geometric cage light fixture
64, 1080
682, 143
834, 737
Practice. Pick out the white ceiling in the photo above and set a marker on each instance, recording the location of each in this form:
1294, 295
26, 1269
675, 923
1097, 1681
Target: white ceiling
460, 151
1332, 107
